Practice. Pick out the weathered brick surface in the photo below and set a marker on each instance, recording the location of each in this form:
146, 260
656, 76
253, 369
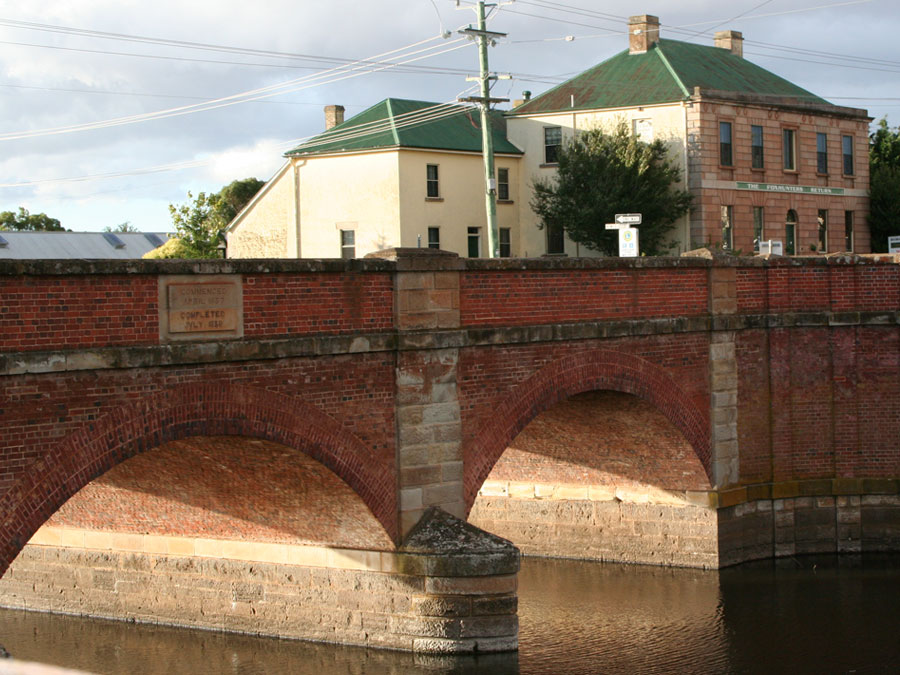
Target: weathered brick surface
225, 488
554, 296
70, 428
503, 388
47, 312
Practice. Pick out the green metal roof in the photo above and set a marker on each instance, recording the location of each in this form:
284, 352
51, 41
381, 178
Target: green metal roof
399, 123
665, 73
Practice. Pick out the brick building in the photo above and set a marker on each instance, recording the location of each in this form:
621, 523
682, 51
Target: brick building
764, 158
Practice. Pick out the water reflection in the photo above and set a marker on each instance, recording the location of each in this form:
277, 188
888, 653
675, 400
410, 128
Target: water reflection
821, 614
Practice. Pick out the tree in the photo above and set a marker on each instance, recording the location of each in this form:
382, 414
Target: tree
125, 227
884, 185
201, 221
24, 221
602, 173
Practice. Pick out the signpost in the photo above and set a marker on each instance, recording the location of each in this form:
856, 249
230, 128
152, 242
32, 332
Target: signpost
628, 236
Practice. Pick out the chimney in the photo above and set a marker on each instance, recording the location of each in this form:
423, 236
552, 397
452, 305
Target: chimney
643, 33
334, 115
732, 40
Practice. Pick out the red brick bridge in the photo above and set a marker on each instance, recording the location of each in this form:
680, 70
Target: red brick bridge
693, 411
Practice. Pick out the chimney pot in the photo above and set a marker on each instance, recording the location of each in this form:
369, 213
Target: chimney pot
334, 115
643, 33
732, 40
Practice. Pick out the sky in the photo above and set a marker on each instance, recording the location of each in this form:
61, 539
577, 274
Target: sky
113, 109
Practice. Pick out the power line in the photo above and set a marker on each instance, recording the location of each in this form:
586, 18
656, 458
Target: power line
334, 75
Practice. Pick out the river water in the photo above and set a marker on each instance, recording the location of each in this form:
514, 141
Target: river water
798, 615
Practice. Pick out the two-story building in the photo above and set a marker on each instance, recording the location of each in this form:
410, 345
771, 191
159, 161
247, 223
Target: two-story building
765, 159
402, 173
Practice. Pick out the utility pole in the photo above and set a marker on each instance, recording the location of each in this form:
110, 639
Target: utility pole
484, 36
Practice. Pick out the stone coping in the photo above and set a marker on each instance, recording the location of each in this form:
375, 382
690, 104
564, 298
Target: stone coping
598, 493
420, 563
249, 349
824, 487
731, 496
400, 260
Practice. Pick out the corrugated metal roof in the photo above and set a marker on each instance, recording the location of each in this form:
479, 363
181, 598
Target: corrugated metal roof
665, 73
400, 123
78, 245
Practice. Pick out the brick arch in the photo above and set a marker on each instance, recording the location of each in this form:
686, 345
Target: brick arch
181, 412
576, 374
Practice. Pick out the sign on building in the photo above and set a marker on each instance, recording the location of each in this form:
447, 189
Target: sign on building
893, 244
773, 246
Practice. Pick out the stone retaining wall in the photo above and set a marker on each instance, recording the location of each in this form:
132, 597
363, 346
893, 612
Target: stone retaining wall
451, 589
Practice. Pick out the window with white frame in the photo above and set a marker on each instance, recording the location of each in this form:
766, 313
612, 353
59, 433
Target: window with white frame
434, 237
757, 159
505, 243
552, 143
847, 151
474, 235
789, 148
822, 220
643, 129
348, 244
725, 147
503, 184
432, 186
821, 153
727, 227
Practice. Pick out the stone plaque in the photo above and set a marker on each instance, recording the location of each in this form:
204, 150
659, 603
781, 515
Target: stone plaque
200, 307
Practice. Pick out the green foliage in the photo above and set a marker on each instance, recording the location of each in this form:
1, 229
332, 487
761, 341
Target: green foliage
23, 221
200, 222
173, 248
125, 227
884, 185
603, 173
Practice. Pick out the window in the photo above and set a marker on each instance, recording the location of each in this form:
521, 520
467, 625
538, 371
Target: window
348, 244
434, 237
821, 153
432, 187
822, 220
727, 222
503, 185
790, 229
505, 243
556, 244
758, 229
643, 129
789, 146
847, 147
474, 242
848, 230
756, 146
552, 141
725, 144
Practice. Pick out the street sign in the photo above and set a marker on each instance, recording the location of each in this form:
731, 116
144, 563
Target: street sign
893, 244
628, 218
628, 242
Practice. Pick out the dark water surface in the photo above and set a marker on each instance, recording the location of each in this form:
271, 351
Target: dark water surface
800, 615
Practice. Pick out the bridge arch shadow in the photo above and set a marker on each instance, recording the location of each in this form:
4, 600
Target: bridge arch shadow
183, 412
576, 374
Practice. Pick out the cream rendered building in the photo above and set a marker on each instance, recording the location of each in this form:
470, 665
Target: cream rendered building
402, 173
764, 159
